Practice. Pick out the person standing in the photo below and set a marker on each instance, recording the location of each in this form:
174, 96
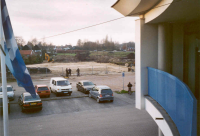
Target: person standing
129, 88
78, 72
67, 72
70, 71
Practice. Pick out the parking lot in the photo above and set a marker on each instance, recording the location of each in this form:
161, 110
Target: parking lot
76, 102
77, 105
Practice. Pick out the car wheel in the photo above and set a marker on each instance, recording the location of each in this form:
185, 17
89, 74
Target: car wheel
98, 100
57, 94
90, 95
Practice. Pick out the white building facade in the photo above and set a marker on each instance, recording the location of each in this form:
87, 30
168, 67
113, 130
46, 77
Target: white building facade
167, 40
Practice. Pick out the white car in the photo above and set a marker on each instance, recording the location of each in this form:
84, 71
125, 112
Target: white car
10, 92
60, 85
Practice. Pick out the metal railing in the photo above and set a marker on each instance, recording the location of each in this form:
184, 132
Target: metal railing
176, 98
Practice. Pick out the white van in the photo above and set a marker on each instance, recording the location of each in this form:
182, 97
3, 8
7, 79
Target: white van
60, 85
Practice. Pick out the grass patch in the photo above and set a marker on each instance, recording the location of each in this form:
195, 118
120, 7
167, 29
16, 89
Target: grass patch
67, 54
111, 54
122, 92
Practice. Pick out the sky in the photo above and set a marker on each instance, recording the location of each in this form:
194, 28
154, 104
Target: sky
43, 18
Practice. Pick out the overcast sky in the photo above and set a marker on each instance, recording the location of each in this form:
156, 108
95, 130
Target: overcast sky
43, 18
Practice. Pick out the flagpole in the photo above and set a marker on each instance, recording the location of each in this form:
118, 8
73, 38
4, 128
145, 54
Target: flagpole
4, 81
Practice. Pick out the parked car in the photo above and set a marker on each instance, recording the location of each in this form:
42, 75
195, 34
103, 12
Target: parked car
1, 104
85, 86
10, 92
60, 85
42, 90
101, 93
27, 102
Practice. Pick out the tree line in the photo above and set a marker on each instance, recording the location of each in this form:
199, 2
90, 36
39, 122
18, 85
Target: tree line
104, 44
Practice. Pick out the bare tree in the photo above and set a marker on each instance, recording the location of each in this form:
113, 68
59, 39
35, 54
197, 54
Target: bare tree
20, 41
34, 41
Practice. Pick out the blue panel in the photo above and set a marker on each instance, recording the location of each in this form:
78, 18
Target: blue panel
176, 98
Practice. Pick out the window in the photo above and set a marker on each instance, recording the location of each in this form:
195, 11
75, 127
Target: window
63, 83
9, 89
42, 88
30, 98
107, 91
87, 83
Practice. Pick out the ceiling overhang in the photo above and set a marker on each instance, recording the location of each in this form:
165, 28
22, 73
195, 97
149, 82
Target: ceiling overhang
134, 7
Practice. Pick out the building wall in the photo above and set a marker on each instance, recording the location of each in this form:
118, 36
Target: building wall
146, 56
177, 54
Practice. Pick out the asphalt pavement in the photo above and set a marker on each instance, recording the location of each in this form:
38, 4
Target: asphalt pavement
79, 115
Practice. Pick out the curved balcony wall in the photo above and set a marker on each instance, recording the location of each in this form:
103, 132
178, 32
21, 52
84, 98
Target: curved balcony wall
176, 98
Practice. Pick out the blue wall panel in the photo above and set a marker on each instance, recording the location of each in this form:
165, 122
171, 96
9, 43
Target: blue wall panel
176, 98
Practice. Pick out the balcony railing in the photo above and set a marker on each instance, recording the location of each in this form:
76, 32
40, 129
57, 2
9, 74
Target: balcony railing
176, 98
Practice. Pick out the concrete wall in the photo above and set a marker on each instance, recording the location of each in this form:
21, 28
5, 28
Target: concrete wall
177, 54
191, 62
146, 55
165, 47
155, 113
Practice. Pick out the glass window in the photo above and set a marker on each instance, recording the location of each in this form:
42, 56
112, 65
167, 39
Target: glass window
87, 83
63, 83
42, 88
9, 89
30, 98
108, 91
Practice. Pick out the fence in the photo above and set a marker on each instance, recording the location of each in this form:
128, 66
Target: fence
93, 70
176, 98
61, 71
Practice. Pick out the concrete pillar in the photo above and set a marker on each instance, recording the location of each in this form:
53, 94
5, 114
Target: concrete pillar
165, 47
177, 55
146, 55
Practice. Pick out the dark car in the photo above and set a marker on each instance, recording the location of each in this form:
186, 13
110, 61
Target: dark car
101, 93
1, 105
27, 102
85, 86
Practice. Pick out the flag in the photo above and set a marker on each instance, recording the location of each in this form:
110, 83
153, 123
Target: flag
13, 57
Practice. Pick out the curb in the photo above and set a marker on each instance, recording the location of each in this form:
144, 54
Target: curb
57, 98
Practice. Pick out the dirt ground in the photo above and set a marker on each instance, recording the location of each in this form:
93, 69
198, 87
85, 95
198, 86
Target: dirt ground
85, 67
113, 78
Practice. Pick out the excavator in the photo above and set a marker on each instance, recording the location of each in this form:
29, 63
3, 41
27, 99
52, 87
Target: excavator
47, 57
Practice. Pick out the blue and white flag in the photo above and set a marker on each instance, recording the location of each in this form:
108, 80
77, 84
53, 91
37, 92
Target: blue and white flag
13, 58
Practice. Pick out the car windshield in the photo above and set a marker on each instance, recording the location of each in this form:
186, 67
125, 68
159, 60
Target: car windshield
42, 88
9, 89
30, 98
87, 83
108, 91
62, 83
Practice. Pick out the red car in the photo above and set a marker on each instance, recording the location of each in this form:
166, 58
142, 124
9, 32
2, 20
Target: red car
42, 90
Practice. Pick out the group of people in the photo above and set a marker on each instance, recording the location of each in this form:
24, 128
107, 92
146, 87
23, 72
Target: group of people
69, 72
